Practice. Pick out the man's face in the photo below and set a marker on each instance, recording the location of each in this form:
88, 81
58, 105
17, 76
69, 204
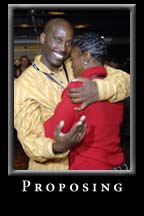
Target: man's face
57, 45
24, 62
77, 61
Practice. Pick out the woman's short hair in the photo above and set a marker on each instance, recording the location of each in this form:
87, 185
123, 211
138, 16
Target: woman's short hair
92, 42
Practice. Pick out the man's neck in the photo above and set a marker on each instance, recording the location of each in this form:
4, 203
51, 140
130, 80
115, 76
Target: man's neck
50, 67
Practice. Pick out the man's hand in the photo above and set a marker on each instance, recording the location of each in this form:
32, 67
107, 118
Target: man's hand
87, 94
66, 141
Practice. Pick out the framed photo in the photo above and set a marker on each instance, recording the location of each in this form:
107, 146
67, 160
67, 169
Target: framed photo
116, 24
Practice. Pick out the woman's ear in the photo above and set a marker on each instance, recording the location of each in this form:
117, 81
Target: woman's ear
42, 37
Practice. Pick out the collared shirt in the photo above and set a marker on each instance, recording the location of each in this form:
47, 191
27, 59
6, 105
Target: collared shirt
100, 149
35, 99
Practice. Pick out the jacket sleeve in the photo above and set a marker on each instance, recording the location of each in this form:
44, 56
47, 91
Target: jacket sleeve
115, 87
29, 125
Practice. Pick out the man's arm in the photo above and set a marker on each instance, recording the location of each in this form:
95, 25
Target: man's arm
29, 125
115, 87
27, 121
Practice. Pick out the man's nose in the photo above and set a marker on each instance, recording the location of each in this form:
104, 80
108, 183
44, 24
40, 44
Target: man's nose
63, 47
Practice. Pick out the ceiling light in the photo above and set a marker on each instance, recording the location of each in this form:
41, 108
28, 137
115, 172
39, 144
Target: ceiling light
79, 26
55, 12
24, 25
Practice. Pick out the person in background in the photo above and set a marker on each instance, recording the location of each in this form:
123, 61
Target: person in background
38, 90
24, 63
100, 148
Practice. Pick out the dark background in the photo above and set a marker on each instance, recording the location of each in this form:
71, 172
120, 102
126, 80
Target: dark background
111, 22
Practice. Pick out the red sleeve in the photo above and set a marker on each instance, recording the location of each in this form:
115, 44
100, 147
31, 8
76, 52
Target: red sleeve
64, 111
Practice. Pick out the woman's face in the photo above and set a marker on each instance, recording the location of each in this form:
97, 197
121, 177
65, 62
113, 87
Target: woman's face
77, 61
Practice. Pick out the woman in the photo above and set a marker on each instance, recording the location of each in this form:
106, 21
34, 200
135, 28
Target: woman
100, 148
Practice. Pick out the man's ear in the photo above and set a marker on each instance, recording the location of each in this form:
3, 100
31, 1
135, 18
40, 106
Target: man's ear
42, 37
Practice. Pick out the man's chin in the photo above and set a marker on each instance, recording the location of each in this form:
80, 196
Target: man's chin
58, 63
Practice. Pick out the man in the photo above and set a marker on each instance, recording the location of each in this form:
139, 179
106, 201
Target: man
38, 90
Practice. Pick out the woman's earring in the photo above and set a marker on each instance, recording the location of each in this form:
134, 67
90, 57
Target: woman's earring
85, 62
